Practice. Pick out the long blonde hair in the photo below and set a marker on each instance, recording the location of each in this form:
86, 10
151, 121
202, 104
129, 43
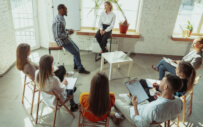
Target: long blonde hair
45, 70
22, 55
110, 4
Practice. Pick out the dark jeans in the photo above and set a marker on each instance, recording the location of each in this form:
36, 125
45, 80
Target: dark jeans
60, 72
70, 92
74, 50
102, 40
163, 67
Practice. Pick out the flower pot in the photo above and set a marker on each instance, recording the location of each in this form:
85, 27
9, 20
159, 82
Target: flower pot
123, 28
190, 33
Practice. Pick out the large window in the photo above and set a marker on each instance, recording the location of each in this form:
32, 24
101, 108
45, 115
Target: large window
190, 10
24, 22
91, 18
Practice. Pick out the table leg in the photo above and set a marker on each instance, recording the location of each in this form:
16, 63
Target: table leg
110, 71
130, 68
102, 64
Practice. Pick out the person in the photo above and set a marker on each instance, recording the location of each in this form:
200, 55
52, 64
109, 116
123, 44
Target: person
61, 36
164, 108
99, 101
28, 67
48, 82
194, 57
106, 24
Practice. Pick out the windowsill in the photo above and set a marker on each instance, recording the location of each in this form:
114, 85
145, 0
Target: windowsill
115, 33
180, 38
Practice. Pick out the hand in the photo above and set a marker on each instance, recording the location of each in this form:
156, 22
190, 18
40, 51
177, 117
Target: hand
65, 82
101, 32
157, 94
134, 100
129, 95
155, 85
104, 32
70, 31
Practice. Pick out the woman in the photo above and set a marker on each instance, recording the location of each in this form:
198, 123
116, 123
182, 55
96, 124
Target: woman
99, 101
24, 64
48, 82
106, 24
194, 57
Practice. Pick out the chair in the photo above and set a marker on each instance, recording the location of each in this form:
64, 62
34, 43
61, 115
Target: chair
54, 46
97, 54
57, 105
185, 98
84, 122
34, 90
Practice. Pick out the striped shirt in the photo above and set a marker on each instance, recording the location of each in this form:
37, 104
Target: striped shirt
59, 30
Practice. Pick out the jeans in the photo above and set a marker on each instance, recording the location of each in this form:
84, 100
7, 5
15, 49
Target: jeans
164, 66
74, 50
70, 92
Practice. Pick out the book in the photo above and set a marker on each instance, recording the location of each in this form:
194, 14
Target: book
135, 88
170, 61
150, 82
71, 83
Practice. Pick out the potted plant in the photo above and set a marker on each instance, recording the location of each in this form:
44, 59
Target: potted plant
190, 28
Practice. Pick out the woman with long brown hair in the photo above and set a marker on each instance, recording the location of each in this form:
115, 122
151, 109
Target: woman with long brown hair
24, 64
99, 101
48, 82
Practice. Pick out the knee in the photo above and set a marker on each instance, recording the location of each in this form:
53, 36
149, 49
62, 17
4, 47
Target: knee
161, 68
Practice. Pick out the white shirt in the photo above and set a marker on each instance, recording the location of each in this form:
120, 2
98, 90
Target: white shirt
107, 19
52, 84
159, 110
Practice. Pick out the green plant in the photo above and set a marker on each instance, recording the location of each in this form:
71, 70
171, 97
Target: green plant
189, 26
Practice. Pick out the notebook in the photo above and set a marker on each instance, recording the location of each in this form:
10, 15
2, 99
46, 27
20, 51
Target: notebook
170, 61
150, 82
71, 83
135, 88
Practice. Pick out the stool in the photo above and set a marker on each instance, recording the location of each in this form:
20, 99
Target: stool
97, 54
54, 46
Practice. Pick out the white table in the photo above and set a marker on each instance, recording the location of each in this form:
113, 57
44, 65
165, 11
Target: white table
110, 58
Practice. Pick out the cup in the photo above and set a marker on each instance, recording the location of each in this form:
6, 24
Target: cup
183, 33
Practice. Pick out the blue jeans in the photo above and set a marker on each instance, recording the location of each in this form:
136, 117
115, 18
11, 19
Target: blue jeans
164, 66
70, 92
74, 50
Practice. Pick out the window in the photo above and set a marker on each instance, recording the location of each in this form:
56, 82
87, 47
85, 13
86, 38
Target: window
190, 10
89, 19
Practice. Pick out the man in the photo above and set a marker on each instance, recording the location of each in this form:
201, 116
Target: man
61, 36
165, 107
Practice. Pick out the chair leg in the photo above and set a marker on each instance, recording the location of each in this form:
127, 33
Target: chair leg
184, 104
33, 97
191, 102
96, 59
38, 101
110, 43
24, 89
69, 111
178, 121
79, 119
55, 110
107, 121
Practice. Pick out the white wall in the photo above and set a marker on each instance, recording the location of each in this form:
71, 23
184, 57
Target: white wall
7, 37
156, 26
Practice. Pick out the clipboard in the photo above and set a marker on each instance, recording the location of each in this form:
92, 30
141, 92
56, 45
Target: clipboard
135, 88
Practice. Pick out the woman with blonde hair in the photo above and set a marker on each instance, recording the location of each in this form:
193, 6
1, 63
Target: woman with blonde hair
106, 24
99, 101
48, 82
28, 67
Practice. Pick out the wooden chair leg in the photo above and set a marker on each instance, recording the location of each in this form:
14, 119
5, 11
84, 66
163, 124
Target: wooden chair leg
38, 101
178, 121
69, 111
79, 118
184, 104
107, 121
169, 123
191, 102
24, 89
33, 97
55, 110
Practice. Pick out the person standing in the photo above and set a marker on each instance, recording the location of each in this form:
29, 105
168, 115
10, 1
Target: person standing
61, 36
106, 24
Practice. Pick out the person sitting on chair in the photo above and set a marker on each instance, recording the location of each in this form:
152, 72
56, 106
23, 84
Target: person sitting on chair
48, 82
28, 67
106, 24
99, 101
164, 108
194, 57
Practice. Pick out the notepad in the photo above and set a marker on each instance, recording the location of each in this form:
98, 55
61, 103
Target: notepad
136, 88
150, 82
71, 83
170, 61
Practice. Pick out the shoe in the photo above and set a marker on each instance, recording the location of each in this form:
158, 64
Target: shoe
75, 67
74, 107
115, 120
84, 71
154, 68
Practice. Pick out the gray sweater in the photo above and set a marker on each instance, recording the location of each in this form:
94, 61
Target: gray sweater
194, 58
